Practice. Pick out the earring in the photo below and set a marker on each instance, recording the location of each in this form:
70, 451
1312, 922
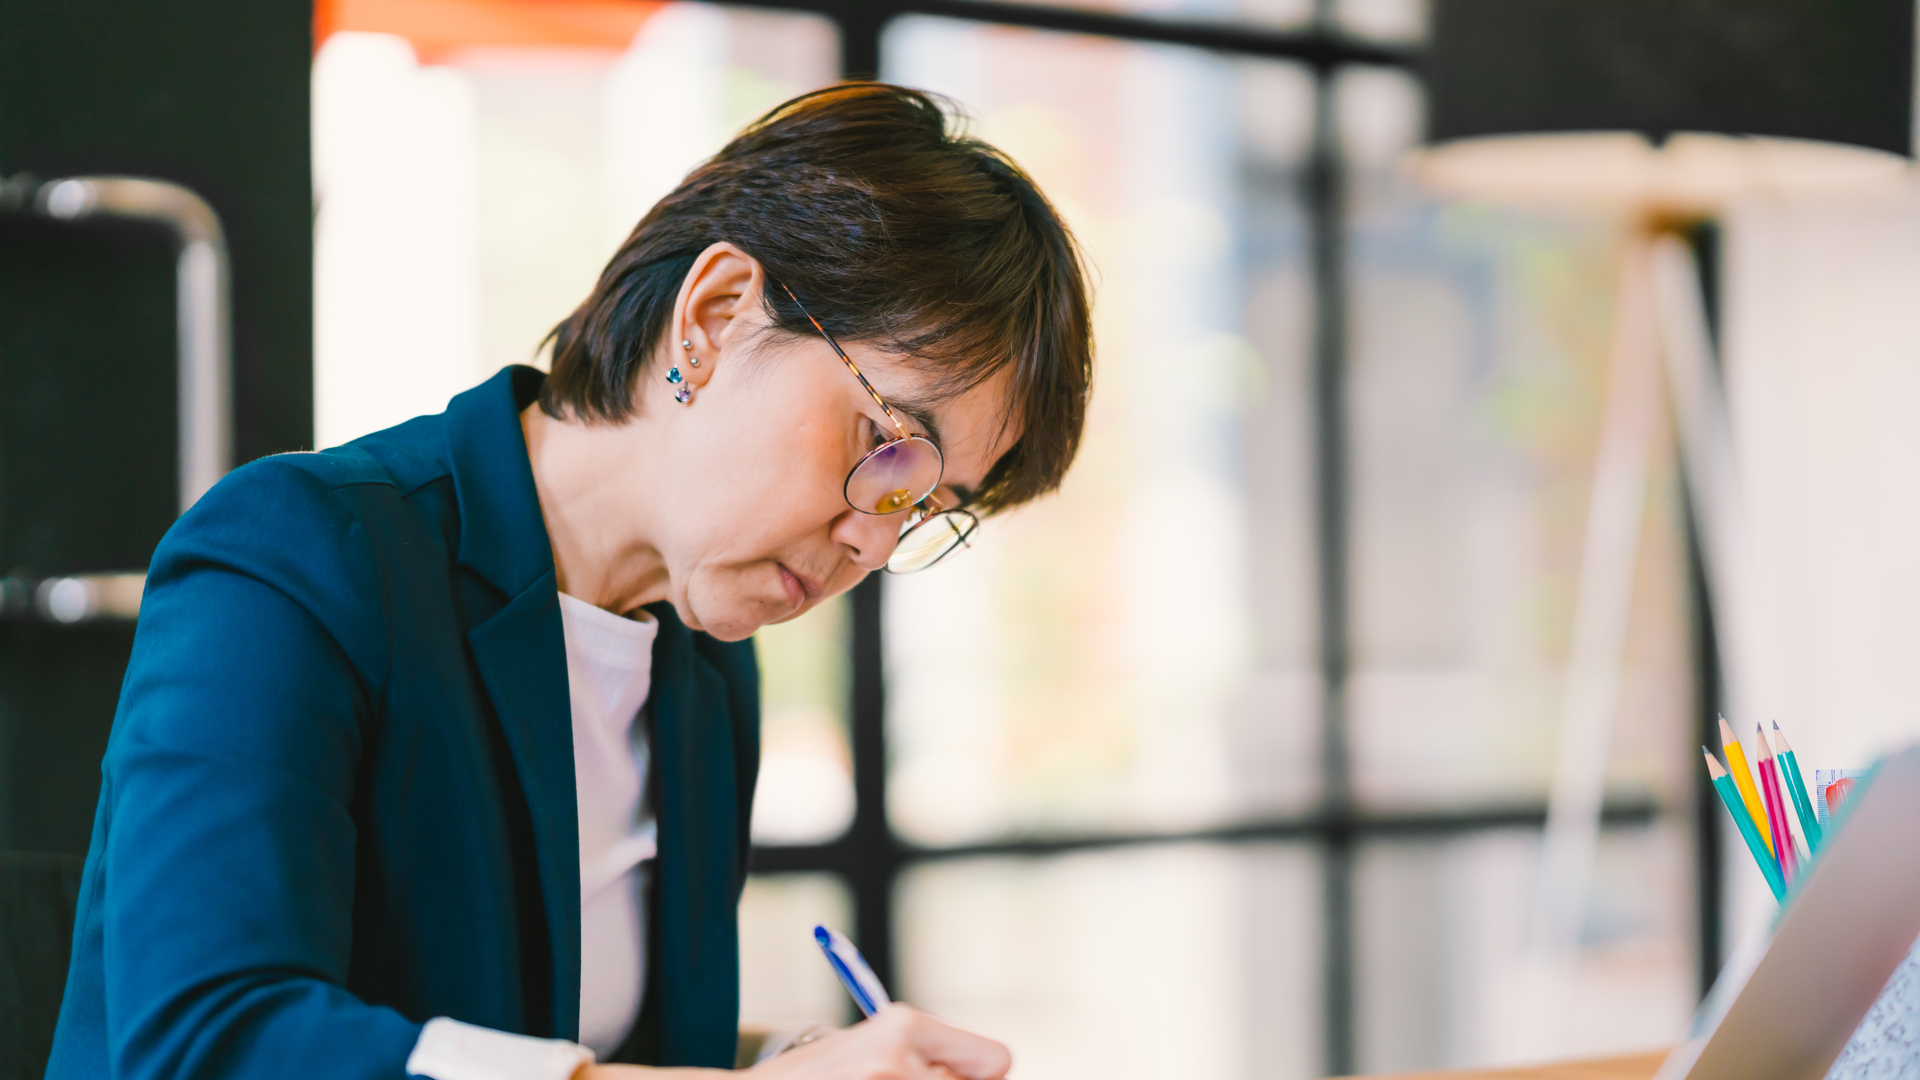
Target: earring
687, 344
684, 394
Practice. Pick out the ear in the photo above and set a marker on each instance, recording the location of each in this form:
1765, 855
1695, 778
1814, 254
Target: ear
719, 303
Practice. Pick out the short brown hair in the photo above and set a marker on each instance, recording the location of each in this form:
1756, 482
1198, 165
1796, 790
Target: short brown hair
894, 230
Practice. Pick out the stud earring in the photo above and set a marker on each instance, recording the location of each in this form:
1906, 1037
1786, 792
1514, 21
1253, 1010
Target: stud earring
684, 395
673, 375
687, 344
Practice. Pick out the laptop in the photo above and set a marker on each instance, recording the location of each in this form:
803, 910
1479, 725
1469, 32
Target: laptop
1786, 1008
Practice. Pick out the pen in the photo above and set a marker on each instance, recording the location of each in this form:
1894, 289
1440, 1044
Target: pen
853, 971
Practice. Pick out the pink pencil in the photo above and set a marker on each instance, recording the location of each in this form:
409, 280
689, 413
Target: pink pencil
1769, 771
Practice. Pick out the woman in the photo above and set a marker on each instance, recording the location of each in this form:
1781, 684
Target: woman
436, 750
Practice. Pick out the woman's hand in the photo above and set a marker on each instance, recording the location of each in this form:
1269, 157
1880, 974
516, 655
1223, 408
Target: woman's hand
901, 1043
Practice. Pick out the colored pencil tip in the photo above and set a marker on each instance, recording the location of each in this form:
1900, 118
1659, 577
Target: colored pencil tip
1726, 732
1713, 765
1766, 748
1780, 743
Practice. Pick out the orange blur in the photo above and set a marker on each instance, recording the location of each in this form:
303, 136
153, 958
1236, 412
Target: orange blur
438, 28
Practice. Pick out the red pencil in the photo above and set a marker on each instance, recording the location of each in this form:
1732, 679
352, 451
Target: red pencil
1769, 771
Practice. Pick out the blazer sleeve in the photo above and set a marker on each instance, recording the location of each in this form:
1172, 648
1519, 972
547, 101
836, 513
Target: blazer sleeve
225, 885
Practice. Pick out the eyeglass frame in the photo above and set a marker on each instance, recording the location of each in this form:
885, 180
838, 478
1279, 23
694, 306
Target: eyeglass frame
972, 521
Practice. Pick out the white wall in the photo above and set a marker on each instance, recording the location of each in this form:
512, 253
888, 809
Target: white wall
1822, 346
1823, 380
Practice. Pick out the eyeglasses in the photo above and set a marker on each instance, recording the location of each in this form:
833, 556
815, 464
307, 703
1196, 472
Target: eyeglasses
900, 475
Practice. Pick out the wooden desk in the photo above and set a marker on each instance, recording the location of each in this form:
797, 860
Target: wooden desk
1632, 1067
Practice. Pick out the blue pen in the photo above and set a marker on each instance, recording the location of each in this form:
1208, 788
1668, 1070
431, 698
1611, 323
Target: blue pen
852, 968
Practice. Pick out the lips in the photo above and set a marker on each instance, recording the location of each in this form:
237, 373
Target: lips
799, 589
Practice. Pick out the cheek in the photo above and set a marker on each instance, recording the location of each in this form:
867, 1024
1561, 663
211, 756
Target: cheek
757, 492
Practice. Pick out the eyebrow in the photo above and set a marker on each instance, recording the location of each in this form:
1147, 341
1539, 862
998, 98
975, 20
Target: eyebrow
922, 415
918, 412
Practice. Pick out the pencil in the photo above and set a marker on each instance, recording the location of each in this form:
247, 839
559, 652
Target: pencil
1797, 783
1783, 846
1743, 780
1801, 851
1732, 797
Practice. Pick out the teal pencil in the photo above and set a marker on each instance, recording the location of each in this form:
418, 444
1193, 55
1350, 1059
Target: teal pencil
1803, 806
1736, 807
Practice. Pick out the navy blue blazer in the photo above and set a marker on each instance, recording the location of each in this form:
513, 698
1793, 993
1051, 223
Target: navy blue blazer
338, 799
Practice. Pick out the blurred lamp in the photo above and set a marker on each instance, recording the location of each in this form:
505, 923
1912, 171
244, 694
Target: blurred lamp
1673, 104
1667, 110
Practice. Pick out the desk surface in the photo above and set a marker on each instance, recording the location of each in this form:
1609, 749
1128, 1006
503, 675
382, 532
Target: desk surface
1632, 1067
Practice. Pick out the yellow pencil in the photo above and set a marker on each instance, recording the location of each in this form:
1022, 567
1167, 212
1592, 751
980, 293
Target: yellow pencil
1743, 779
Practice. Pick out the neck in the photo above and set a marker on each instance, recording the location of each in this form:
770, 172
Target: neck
600, 551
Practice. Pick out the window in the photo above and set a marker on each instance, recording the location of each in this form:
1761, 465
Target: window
1308, 371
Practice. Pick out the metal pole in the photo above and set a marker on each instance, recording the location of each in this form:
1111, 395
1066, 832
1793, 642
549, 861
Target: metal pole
1323, 193
205, 365
875, 859
1709, 817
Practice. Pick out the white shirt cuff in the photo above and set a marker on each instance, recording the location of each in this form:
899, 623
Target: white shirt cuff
450, 1050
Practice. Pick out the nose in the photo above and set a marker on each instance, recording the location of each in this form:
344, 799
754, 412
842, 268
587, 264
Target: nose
868, 538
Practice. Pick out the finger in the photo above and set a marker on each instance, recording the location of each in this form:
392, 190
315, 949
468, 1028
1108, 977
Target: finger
961, 1052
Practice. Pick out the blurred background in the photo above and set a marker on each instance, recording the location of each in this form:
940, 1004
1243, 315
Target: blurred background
1233, 759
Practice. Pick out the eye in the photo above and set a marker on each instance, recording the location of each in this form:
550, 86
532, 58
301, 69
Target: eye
876, 435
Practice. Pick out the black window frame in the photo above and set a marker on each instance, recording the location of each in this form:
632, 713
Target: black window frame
869, 857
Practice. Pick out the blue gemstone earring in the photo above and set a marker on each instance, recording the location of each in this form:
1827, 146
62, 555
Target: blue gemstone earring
673, 375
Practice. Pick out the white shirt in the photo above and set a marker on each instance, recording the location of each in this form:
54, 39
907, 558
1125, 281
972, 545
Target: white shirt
609, 671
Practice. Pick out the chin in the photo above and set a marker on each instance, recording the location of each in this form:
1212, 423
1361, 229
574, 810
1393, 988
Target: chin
731, 630
728, 618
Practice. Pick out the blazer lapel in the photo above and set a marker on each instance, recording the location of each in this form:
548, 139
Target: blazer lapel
693, 999
695, 981
521, 653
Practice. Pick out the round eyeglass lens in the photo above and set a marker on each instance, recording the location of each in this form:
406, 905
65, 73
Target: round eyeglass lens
931, 540
895, 476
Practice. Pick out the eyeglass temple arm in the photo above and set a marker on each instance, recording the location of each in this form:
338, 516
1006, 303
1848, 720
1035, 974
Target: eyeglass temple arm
848, 360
